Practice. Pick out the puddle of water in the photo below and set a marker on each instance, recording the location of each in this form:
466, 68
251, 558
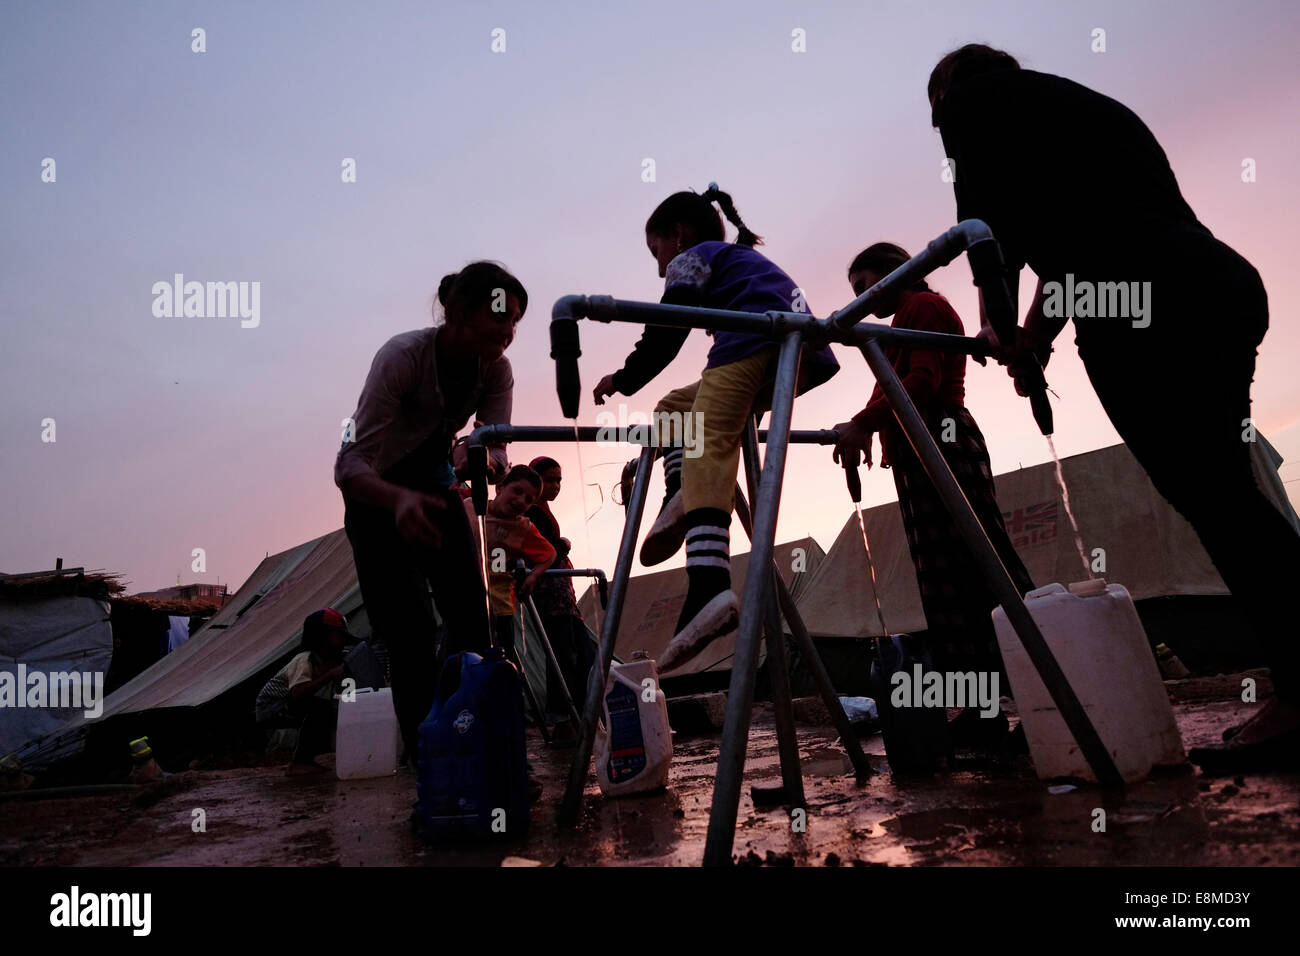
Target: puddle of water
827, 763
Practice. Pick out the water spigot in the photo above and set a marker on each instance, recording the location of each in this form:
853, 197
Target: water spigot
476, 460
989, 273
1042, 408
853, 480
565, 350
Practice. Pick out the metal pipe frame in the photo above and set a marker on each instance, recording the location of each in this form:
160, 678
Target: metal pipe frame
995, 573
772, 325
791, 774
970, 235
571, 802
821, 676
576, 573
505, 434
551, 659
602, 583
740, 694
793, 329
514, 657
778, 665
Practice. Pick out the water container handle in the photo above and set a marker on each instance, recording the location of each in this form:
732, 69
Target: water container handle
443, 692
614, 674
632, 685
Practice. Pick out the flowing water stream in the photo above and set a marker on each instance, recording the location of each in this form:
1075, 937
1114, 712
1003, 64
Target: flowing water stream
1069, 512
875, 589
586, 531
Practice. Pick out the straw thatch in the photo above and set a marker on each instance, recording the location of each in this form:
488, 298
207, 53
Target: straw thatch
101, 585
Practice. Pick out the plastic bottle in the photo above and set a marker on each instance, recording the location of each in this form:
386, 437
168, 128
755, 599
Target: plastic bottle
143, 766
634, 744
1171, 668
1094, 633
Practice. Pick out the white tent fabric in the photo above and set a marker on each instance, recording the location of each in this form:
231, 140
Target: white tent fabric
50, 636
1149, 548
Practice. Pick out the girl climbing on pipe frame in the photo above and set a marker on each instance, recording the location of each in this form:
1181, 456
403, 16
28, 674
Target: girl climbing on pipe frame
957, 602
686, 237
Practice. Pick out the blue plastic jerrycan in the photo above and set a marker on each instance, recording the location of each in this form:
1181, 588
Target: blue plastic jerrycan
472, 776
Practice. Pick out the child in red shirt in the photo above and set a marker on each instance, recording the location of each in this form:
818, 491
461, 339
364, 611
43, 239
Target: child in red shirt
511, 536
957, 601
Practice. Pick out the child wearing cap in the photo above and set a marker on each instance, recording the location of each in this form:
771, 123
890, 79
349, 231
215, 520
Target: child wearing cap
302, 691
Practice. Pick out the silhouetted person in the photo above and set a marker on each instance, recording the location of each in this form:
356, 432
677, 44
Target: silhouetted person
302, 691
557, 605
1075, 186
957, 600
408, 529
686, 238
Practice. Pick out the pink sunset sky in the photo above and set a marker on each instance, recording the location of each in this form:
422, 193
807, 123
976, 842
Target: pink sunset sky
183, 433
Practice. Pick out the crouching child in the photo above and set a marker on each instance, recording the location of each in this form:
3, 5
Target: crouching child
301, 694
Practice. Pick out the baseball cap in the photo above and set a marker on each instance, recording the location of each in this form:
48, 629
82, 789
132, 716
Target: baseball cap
326, 617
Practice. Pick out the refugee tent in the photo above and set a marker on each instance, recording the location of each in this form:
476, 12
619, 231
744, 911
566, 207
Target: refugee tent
259, 626
1146, 545
56, 625
654, 601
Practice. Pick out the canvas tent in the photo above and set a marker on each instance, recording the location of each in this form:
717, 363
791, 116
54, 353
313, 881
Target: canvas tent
59, 636
260, 625
1149, 548
655, 600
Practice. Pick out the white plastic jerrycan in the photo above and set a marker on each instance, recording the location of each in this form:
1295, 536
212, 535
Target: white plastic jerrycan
1094, 633
634, 744
367, 738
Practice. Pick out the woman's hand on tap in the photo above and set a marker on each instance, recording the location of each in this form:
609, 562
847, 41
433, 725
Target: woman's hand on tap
854, 441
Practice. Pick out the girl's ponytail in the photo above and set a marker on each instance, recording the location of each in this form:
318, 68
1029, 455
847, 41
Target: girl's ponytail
745, 236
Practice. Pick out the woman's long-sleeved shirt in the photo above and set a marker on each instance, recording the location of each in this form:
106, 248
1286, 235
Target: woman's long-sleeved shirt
1068, 179
402, 405
721, 275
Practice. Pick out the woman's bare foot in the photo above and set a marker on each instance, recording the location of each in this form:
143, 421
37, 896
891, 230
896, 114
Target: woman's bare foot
1268, 741
1275, 717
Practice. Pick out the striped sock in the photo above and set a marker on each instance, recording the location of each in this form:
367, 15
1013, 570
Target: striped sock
673, 471
708, 539
708, 560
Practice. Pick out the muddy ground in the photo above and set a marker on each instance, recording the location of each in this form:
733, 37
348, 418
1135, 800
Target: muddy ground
975, 815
